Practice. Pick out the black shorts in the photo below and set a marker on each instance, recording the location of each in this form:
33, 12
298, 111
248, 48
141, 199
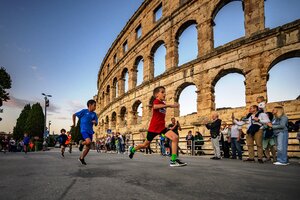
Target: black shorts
151, 135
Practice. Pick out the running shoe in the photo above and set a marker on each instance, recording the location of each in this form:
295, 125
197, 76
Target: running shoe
81, 160
279, 163
130, 152
177, 163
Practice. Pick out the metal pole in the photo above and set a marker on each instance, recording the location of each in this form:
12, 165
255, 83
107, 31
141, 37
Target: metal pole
45, 119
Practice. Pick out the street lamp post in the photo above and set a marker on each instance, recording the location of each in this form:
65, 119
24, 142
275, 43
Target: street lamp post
46, 105
49, 126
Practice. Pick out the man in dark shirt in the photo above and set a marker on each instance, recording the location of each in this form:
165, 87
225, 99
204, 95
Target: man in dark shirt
214, 128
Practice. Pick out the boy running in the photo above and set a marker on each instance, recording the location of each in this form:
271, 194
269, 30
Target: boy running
87, 118
157, 126
26, 141
62, 140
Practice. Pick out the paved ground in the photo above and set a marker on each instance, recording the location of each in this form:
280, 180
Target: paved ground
45, 175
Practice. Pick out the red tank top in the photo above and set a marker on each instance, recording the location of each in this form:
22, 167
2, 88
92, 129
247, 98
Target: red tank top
157, 123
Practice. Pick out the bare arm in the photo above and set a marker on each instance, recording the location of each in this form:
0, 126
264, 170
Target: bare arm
158, 106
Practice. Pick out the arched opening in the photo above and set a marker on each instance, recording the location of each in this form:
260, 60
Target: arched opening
115, 87
108, 93
158, 54
125, 75
186, 96
187, 40
113, 120
283, 78
139, 66
123, 117
103, 98
137, 112
229, 89
106, 123
278, 12
228, 21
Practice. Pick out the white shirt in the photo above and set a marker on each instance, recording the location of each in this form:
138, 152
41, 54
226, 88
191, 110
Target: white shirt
263, 119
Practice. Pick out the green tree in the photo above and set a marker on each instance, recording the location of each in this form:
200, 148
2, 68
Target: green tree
75, 133
35, 121
5, 83
19, 129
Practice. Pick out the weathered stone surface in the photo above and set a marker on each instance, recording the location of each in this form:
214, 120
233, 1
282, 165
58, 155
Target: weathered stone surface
252, 56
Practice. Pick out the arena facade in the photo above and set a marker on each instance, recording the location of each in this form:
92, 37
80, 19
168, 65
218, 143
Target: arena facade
251, 56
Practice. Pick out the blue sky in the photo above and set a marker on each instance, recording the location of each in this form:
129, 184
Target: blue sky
56, 47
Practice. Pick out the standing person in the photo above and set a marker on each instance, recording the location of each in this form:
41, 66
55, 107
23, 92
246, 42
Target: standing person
5, 143
189, 141
225, 138
157, 126
269, 140
255, 132
62, 139
69, 141
279, 126
235, 137
88, 118
198, 143
214, 128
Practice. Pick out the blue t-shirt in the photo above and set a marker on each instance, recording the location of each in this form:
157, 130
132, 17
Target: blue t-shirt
86, 117
26, 140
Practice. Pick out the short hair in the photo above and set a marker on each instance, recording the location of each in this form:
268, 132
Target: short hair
155, 91
90, 102
280, 111
63, 130
255, 106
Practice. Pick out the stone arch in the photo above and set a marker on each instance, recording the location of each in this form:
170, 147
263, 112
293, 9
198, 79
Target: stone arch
108, 93
123, 116
282, 57
154, 49
136, 119
138, 73
179, 32
106, 122
222, 73
125, 83
219, 7
219, 32
285, 70
103, 98
115, 88
178, 93
113, 120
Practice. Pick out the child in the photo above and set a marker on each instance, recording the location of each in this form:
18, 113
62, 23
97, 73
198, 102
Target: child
157, 126
26, 141
87, 118
62, 140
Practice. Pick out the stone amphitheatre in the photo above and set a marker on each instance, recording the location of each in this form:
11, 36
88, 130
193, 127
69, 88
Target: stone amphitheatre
252, 56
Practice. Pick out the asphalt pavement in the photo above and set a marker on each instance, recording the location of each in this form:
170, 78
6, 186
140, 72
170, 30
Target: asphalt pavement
46, 175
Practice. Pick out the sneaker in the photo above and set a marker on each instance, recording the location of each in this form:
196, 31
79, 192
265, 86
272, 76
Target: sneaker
82, 161
177, 163
130, 152
213, 158
217, 158
279, 163
260, 161
81, 146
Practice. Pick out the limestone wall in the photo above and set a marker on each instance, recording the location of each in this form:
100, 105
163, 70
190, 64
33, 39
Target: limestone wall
252, 56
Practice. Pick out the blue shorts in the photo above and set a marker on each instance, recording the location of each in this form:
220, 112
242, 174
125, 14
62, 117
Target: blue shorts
86, 135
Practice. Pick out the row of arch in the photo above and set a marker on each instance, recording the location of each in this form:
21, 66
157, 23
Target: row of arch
129, 78
136, 109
